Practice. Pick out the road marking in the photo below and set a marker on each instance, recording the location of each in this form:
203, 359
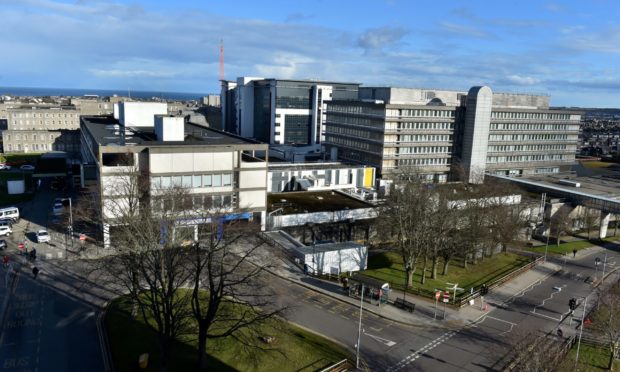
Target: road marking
501, 320
382, 340
431, 345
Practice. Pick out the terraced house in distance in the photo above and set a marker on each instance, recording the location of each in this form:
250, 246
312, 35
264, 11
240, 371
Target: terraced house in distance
213, 168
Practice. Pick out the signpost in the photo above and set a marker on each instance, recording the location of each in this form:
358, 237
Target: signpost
437, 295
446, 299
454, 287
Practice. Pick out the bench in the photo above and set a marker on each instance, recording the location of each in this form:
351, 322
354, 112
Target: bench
404, 304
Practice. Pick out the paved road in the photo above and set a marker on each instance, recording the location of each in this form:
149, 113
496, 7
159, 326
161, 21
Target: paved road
539, 310
387, 345
46, 328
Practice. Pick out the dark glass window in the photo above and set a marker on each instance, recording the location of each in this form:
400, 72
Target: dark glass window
297, 129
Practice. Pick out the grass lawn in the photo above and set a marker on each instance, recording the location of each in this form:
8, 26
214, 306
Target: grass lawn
591, 358
596, 164
388, 267
568, 247
295, 349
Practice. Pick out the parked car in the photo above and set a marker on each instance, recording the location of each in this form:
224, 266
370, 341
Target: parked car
2, 244
5, 231
8, 223
43, 236
4, 166
58, 209
27, 167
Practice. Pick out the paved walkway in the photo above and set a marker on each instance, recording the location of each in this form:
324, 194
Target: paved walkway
425, 309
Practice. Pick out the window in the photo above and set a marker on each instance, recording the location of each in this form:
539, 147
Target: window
217, 180
197, 181
226, 180
155, 182
177, 181
206, 180
187, 181
166, 182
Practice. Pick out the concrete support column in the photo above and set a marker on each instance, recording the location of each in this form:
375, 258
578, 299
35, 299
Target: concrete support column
604, 223
263, 221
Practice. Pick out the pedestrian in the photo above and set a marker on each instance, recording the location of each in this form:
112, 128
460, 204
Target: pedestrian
5, 260
35, 271
574, 252
33, 254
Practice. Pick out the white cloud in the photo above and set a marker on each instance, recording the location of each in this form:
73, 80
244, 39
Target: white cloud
463, 30
522, 80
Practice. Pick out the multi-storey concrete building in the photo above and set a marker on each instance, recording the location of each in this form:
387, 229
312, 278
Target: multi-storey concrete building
285, 112
438, 131
215, 169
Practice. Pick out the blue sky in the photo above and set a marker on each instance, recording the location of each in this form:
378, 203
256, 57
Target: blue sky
567, 49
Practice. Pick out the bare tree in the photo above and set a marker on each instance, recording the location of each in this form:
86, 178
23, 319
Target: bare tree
228, 299
606, 322
561, 224
402, 218
589, 219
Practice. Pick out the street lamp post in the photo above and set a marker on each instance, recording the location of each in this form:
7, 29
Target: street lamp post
547, 244
407, 268
604, 263
359, 331
581, 330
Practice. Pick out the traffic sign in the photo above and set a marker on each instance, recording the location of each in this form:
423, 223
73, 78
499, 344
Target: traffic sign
20, 246
446, 297
82, 237
437, 295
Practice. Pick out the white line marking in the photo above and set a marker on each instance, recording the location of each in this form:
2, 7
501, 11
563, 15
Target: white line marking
384, 341
501, 320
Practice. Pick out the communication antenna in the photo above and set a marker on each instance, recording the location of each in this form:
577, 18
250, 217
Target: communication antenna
221, 59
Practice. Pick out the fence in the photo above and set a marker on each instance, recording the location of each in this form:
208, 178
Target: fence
464, 300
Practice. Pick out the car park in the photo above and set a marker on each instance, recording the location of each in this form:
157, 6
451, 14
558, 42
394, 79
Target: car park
5, 231
10, 212
2, 244
43, 236
27, 167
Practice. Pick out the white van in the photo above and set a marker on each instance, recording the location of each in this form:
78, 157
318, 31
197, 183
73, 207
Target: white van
10, 212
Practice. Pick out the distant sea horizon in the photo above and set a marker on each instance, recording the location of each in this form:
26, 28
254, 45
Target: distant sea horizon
78, 92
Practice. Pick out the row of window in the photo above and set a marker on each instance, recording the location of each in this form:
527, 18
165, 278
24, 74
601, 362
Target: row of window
432, 161
43, 147
534, 126
28, 123
354, 120
410, 125
425, 138
355, 109
547, 170
19, 115
424, 150
525, 158
191, 181
359, 157
529, 115
354, 143
427, 113
532, 137
27, 137
351, 131
503, 148
193, 203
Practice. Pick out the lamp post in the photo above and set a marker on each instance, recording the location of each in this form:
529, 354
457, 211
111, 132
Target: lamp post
547, 244
581, 330
359, 331
407, 268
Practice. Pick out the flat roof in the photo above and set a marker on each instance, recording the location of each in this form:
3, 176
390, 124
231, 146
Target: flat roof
606, 187
328, 247
107, 131
284, 166
313, 201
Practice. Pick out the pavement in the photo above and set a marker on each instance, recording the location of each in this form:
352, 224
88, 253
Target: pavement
425, 309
